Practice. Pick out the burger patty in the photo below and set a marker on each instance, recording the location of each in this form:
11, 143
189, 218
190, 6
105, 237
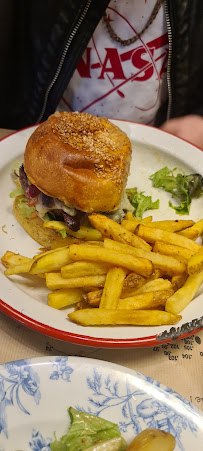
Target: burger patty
73, 222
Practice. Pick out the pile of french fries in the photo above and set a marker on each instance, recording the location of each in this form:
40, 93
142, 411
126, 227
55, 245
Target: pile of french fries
141, 273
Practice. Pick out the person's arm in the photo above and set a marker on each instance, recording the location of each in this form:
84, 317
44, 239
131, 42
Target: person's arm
189, 128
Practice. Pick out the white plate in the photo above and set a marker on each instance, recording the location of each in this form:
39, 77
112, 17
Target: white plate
25, 298
35, 395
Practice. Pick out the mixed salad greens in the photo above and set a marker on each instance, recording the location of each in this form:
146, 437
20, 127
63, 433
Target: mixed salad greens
183, 189
90, 433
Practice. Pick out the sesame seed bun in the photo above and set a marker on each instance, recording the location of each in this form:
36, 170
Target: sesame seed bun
79, 159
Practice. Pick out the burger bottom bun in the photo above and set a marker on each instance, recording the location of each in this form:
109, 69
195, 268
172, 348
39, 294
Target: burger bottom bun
34, 227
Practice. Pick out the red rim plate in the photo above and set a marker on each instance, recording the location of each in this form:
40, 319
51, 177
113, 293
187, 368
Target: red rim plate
86, 340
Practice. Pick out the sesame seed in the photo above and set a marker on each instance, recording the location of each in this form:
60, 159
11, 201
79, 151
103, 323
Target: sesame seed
91, 135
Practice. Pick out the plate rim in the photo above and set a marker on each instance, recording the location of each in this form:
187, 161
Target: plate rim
86, 340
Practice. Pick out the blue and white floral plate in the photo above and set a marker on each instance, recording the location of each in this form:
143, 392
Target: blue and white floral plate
35, 395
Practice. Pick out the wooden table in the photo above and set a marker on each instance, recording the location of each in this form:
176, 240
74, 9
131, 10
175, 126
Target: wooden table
178, 365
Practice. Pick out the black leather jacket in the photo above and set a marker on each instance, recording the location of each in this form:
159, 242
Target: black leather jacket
42, 42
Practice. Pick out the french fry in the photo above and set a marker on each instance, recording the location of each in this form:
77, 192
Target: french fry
151, 299
127, 292
156, 274
168, 264
64, 297
181, 298
51, 262
146, 220
136, 302
55, 281
84, 233
18, 269
90, 243
150, 285
50, 251
80, 269
134, 280
194, 231
92, 253
195, 264
131, 217
90, 288
117, 274
110, 228
131, 224
17, 264
94, 297
99, 317
151, 235
42, 276
82, 304
172, 226
12, 259
178, 281
155, 285
112, 288
190, 233
178, 252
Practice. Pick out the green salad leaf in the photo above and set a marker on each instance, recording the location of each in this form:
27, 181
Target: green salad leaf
26, 211
182, 187
46, 217
131, 193
195, 185
62, 233
17, 192
165, 179
140, 202
87, 430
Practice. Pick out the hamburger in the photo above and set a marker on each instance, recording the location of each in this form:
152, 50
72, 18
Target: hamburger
74, 164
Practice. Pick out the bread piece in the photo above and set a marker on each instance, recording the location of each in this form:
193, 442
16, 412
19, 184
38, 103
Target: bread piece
34, 227
80, 159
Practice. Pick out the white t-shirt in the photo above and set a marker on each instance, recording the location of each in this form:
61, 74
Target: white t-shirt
123, 82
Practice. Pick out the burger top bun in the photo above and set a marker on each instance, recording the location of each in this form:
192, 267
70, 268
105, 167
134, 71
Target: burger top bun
80, 159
